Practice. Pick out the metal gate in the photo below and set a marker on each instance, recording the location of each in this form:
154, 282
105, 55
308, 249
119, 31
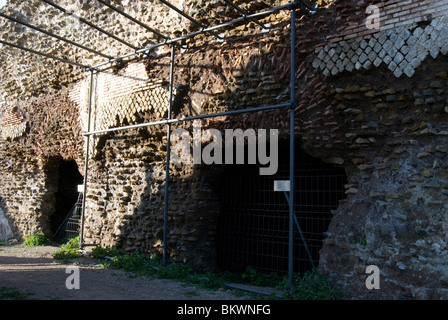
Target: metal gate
253, 228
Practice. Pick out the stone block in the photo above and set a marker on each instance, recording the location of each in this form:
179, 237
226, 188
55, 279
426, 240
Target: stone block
393, 37
399, 43
372, 42
367, 65
405, 49
434, 52
387, 59
418, 32
382, 38
350, 67
388, 45
392, 66
405, 34
377, 62
382, 53
409, 70
350, 53
444, 49
415, 63
412, 53
363, 44
422, 54
377, 48
412, 40
316, 63
363, 58
398, 58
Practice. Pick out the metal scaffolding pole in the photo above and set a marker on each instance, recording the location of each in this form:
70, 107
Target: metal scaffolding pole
47, 55
86, 162
54, 35
133, 19
204, 116
245, 13
292, 215
193, 34
168, 156
51, 3
292, 148
182, 13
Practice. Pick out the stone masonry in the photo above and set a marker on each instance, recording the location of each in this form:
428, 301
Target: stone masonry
372, 101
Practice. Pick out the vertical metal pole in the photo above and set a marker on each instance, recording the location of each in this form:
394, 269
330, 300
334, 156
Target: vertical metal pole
86, 162
292, 149
168, 156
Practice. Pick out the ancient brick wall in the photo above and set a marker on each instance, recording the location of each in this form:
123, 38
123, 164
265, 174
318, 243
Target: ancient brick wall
379, 108
370, 100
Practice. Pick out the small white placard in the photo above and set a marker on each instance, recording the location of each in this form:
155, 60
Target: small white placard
281, 185
80, 188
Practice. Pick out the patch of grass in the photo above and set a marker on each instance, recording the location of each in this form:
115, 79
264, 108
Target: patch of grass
100, 252
36, 240
310, 286
314, 286
13, 294
69, 250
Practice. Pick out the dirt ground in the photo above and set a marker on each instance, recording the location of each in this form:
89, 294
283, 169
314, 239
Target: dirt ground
34, 271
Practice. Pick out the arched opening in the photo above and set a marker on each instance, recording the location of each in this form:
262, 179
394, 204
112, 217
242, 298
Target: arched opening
67, 195
253, 227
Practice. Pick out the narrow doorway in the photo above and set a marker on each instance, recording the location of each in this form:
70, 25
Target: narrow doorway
66, 197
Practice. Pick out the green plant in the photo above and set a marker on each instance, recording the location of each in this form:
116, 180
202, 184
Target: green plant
310, 286
363, 242
13, 294
133, 262
36, 240
252, 277
68, 250
100, 252
314, 286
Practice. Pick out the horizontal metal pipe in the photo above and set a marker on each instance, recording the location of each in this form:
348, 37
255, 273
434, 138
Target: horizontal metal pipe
133, 19
193, 34
205, 116
51, 3
182, 13
47, 55
96, 67
54, 35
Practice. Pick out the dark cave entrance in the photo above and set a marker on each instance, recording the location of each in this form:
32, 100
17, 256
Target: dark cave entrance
253, 226
67, 195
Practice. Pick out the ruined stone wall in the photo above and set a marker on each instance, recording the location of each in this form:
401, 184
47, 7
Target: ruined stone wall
372, 101
42, 123
30, 159
126, 188
379, 108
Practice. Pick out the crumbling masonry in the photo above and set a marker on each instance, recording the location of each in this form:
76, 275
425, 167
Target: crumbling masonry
372, 102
